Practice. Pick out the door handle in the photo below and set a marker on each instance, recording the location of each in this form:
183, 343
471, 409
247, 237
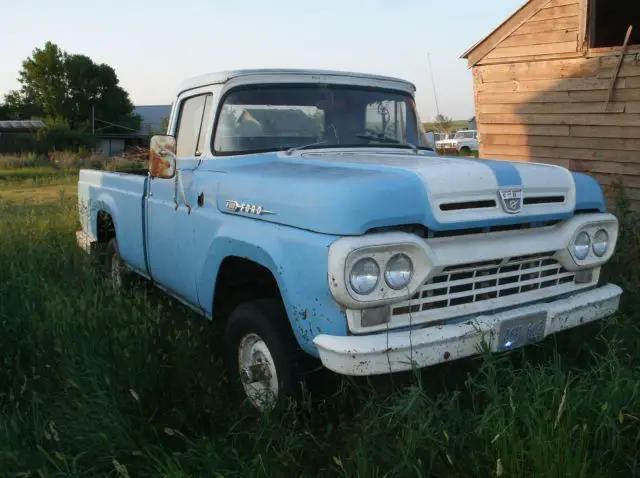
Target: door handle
150, 194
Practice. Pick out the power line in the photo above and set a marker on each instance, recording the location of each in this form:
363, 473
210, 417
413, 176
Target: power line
433, 83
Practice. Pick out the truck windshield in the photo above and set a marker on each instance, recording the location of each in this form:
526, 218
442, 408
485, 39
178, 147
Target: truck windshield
281, 117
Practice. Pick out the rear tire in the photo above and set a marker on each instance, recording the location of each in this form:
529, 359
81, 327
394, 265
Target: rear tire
262, 355
115, 268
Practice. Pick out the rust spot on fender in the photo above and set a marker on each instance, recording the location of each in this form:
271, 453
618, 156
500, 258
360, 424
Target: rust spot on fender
447, 355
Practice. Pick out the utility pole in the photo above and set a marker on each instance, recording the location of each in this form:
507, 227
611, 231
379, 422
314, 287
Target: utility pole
435, 95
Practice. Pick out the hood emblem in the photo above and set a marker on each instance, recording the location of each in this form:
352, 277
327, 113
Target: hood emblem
235, 206
511, 200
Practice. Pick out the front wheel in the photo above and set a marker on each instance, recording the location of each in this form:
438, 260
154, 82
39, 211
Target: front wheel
465, 151
262, 354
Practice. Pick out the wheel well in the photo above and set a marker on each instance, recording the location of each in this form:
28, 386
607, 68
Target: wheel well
106, 227
240, 280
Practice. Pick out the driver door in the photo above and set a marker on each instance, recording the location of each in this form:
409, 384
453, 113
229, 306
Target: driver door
168, 217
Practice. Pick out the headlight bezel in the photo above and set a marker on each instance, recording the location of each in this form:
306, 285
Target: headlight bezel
568, 257
380, 247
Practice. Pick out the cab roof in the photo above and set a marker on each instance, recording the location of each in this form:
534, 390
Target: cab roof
286, 74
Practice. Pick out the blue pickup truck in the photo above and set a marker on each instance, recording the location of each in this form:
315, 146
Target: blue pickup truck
304, 210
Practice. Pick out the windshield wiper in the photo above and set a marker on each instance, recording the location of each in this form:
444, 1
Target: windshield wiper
387, 139
290, 151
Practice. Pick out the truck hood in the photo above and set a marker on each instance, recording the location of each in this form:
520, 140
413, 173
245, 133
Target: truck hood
350, 192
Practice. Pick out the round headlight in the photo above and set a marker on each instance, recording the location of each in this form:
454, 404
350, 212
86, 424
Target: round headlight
364, 276
398, 272
600, 243
581, 246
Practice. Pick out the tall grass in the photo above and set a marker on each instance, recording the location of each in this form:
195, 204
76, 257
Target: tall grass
33, 164
98, 384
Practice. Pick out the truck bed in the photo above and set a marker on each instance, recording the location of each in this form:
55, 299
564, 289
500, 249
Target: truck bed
121, 196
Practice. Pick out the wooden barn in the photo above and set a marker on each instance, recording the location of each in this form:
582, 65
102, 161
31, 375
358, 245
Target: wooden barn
559, 82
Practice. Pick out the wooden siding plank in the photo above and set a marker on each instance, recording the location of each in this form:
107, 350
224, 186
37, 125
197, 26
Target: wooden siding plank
603, 119
508, 129
569, 84
520, 98
540, 38
532, 50
554, 69
627, 70
598, 96
605, 167
604, 132
551, 25
560, 3
566, 153
534, 58
541, 70
611, 179
551, 108
525, 139
556, 12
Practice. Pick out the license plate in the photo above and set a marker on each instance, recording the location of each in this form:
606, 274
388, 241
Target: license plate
520, 331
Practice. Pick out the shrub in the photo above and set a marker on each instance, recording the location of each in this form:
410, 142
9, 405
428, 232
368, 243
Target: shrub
58, 135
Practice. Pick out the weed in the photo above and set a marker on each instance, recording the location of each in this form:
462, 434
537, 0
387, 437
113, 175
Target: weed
98, 384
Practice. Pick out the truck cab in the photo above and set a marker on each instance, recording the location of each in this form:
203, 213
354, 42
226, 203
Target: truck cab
303, 210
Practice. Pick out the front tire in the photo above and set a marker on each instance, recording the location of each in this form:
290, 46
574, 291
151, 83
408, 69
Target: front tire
465, 151
262, 354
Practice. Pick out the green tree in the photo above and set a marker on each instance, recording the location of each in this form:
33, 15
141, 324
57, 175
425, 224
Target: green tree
444, 123
164, 125
56, 84
15, 107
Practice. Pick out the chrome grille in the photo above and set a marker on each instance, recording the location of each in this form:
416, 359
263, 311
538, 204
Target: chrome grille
482, 281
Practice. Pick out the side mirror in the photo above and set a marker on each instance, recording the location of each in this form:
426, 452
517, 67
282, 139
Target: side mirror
162, 157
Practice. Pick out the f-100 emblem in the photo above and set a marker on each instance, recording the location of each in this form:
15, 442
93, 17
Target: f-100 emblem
511, 200
235, 206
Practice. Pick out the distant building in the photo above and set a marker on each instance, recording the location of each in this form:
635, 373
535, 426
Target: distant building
16, 135
114, 143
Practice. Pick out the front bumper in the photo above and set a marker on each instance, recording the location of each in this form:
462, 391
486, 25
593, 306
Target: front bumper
403, 350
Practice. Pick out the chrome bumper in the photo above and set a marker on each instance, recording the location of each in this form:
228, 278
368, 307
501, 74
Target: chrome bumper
400, 351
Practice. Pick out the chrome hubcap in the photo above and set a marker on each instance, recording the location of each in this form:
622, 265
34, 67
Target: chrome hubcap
257, 372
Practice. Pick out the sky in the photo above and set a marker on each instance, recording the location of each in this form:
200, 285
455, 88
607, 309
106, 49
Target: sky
153, 46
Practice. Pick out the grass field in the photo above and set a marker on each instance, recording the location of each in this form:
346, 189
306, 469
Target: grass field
96, 384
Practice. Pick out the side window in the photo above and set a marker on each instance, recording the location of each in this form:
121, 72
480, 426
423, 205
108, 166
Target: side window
190, 134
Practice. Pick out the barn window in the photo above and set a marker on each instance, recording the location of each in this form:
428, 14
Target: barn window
609, 21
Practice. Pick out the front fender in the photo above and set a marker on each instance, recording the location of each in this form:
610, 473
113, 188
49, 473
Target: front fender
297, 260
589, 194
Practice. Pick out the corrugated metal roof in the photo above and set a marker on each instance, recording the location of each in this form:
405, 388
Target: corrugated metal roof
21, 124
